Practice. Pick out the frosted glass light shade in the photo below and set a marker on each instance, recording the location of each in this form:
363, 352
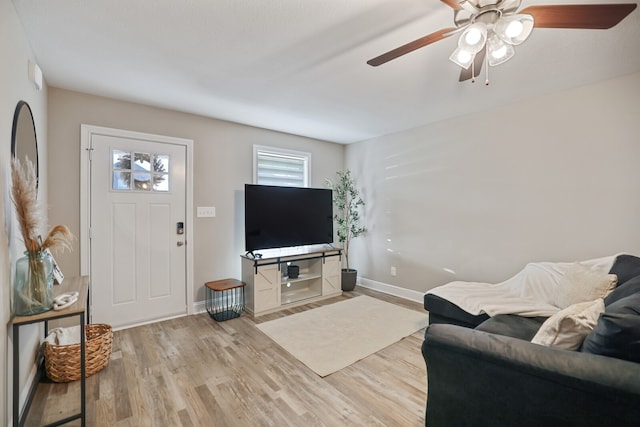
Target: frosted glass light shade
498, 51
473, 38
462, 57
514, 29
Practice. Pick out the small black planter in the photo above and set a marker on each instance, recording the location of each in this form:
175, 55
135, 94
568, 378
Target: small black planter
349, 279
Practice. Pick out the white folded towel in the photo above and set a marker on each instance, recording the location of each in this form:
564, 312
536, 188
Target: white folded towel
64, 336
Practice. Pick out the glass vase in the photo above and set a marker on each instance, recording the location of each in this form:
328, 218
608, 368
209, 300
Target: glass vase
33, 284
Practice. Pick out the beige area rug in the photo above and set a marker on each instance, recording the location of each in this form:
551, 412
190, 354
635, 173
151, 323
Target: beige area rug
334, 336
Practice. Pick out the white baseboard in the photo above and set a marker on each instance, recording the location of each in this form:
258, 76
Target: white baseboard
408, 294
391, 290
31, 380
148, 322
24, 393
199, 307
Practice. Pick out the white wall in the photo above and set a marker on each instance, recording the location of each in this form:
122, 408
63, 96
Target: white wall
15, 86
222, 165
476, 198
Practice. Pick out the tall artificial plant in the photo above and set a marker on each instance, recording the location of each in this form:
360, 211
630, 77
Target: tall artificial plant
347, 201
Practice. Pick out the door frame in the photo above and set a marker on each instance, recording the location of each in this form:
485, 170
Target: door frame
86, 134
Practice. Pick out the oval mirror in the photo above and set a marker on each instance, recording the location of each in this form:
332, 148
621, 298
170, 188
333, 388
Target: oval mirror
24, 143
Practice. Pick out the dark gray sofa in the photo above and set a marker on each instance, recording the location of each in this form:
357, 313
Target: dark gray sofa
492, 375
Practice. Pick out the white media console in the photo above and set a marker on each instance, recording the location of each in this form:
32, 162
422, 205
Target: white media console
269, 288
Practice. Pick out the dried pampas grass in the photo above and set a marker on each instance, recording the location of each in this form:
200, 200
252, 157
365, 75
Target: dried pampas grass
24, 193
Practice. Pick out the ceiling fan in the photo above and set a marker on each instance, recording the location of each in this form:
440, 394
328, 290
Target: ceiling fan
489, 29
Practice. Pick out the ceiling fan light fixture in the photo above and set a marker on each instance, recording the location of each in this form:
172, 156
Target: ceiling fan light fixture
498, 51
462, 57
514, 29
473, 38
489, 30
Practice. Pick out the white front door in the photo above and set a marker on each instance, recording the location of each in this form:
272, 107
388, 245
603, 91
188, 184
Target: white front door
138, 223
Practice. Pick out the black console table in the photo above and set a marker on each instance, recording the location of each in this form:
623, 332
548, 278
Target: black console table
80, 309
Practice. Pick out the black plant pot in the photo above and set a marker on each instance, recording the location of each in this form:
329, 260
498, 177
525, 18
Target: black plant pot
349, 279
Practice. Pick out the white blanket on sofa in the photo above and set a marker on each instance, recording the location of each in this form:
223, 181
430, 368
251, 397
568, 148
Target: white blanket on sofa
527, 293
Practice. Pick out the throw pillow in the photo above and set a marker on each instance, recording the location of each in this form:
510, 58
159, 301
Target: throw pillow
625, 267
629, 287
617, 333
580, 284
568, 328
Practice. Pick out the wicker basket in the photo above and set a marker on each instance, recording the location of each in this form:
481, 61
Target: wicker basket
62, 362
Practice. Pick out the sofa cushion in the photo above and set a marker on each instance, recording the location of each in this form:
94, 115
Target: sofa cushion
569, 327
629, 287
625, 267
617, 333
580, 284
442, 311
512, 325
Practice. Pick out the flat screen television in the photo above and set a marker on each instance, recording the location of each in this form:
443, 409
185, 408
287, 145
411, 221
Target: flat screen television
278, 217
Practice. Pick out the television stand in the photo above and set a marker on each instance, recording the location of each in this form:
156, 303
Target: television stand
269, 287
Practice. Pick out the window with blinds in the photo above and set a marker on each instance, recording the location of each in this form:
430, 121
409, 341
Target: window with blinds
274, 166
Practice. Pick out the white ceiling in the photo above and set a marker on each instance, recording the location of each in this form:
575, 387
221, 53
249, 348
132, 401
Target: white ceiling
299, 66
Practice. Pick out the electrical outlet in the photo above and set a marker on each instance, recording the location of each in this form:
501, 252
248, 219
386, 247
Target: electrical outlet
393, 271
206, 212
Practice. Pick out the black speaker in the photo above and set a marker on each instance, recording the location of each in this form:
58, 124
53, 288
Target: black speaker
293, 271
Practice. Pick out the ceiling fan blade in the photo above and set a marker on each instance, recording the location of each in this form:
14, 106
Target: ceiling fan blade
452, 4
475, 68
410, 47
590, 16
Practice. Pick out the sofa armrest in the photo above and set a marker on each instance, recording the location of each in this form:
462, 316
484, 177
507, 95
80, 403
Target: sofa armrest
479, 378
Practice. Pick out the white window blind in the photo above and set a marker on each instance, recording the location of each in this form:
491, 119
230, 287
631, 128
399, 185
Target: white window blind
287, 168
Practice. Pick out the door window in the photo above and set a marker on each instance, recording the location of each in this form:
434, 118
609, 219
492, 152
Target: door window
148, 172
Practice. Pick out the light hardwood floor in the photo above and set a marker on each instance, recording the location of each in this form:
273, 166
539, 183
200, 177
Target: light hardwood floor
194, 371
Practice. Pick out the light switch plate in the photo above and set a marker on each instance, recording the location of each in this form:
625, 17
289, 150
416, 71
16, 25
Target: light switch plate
206, 211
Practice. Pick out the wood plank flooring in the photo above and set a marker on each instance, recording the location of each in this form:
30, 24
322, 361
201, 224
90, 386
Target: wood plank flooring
194, 371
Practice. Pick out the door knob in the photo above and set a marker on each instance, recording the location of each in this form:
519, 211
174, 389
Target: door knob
180, 243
